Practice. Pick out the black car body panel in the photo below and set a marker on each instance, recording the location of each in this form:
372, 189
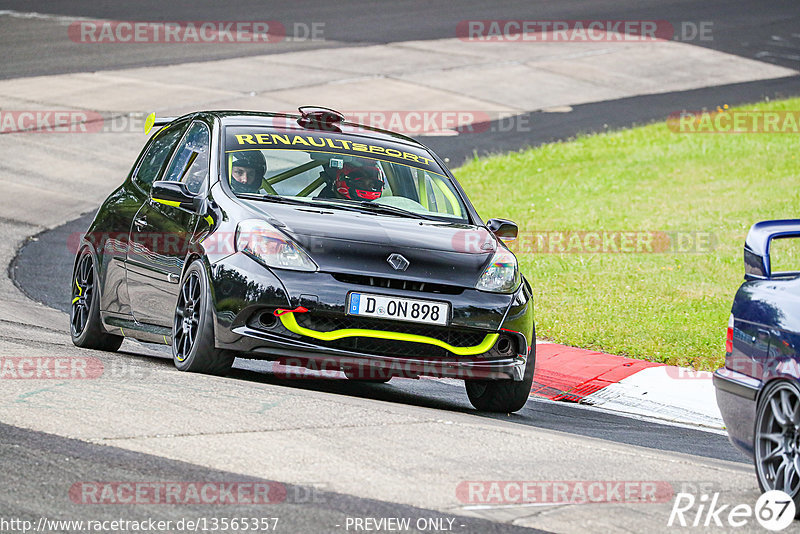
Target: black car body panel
343, 242
143, 246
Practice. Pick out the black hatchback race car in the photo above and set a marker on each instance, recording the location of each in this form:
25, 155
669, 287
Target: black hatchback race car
308, 240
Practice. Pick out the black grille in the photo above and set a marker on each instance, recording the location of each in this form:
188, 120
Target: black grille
326, 323
394, 283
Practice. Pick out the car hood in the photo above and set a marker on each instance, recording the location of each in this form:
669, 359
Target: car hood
360, 243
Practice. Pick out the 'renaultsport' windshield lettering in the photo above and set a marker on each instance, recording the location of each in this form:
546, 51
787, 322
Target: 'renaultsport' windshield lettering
247, 138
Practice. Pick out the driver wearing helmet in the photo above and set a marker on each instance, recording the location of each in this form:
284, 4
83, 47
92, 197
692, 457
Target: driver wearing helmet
359, 182
247, 171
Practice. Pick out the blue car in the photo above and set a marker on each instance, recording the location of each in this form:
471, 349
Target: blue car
758, 389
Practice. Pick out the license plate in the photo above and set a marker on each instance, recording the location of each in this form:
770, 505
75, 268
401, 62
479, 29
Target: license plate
400, 309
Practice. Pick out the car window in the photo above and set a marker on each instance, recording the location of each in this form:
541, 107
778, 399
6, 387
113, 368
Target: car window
190, 162
435, 192
320, 168
160, 148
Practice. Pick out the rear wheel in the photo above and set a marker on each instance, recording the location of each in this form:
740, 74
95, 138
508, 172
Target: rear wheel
777, 439
504, 396
193, 327
86, 328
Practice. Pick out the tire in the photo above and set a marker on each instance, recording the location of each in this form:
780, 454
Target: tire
777, 439
504, 396
193, 327
85, 326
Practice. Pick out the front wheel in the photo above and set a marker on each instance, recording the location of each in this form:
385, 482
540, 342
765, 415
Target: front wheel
85, 326
505, 396
193, 327
777, 439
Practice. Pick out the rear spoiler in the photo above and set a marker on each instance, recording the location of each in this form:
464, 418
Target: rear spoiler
756, 247
158, 122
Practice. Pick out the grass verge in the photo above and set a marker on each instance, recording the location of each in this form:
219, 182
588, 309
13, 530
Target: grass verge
702, 191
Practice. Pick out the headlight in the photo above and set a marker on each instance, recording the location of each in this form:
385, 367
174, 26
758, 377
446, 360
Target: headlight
262, 241
502, 274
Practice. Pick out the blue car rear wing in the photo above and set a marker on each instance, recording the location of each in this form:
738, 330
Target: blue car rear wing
756, 246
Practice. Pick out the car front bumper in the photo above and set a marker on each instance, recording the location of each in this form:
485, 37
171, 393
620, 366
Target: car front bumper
246, 296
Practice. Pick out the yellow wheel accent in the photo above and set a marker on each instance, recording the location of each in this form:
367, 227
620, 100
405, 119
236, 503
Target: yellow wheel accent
290, 323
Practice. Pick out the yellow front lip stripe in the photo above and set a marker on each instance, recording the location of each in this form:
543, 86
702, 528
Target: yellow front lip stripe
290, 323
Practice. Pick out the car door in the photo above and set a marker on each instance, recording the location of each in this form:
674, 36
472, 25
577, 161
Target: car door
116, 216
161, 233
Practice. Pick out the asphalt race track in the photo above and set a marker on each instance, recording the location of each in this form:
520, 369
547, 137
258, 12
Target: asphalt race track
40, 493
747, 28
337, 449
43, 270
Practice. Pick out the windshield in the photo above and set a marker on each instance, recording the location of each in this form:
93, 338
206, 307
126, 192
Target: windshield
324, 168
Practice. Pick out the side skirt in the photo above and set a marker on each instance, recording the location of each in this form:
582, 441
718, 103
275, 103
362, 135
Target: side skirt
126, 326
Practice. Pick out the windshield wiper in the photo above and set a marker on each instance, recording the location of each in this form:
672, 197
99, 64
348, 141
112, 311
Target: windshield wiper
316, 202
377, 208
278, 198
384, 208
349, 205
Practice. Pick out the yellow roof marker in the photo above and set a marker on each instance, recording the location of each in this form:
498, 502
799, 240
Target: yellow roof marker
149, 122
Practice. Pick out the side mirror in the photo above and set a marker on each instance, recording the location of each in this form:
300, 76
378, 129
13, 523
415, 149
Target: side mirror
504, 229
175, 194
756, 246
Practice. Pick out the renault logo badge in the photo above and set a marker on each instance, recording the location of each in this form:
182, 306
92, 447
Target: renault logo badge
398, 262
